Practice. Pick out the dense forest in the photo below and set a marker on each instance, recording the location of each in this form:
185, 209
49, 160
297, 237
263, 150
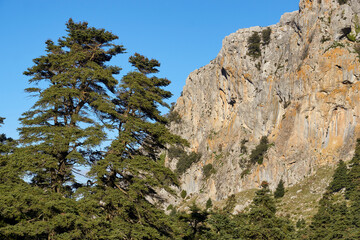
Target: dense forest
84, 118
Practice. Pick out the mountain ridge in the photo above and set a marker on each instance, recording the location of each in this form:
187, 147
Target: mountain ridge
301, 93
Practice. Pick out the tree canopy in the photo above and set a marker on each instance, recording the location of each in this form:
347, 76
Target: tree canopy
79, 105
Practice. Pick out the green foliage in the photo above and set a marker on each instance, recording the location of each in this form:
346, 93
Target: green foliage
254, 49
280, 190
338, 218
257, 154
57, 133
195, 222
245, 172
335, 44
230, 204
143, 64
184, 163
340, 179
131, 170
27, 212
254, 44
162, 159
9, 169
332, 220
222, 226
80, 99
300, 223
262, 222
173, 116
266, 36
208, 169
185, 160
353, 176
208, 204
183, 194
351, 37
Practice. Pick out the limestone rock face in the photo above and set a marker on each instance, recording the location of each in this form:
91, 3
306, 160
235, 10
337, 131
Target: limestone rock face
302, 93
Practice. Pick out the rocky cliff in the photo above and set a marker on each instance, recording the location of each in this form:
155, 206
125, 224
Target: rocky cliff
301, 91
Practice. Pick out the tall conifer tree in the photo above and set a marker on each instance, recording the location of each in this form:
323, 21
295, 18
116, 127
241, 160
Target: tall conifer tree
129, 175
263, 223
60, 129
280, 190
73, 84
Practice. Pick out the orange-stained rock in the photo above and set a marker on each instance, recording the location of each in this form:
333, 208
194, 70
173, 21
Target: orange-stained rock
303, 93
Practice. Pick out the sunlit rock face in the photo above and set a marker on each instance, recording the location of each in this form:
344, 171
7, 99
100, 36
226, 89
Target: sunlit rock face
302, 93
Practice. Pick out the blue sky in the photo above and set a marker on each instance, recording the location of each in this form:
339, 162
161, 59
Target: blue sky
183, 35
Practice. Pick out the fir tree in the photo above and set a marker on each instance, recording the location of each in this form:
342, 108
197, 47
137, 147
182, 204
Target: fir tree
338, 218
353, 191
8, 173
331, 221
56, 135
340, 179
209, 203
59, 131
353, 186
130, 173
280, 190
254, 49
196, 222
257, 155
222, 226
263, 223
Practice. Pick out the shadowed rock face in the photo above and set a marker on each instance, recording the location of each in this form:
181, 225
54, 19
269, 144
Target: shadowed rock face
302, 93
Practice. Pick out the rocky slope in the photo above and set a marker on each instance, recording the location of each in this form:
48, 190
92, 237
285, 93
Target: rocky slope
302, 93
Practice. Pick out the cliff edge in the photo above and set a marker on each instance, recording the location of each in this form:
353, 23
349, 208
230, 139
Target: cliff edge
299, 86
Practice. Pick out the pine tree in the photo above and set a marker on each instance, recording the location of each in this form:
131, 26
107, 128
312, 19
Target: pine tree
209, 203
340, 179
61, 128
353, 186
353, 191
280, 190
222, 226
263, 223
332, 220
7, 147
338, 218
130, 173
254, 49
195, 220
56, 136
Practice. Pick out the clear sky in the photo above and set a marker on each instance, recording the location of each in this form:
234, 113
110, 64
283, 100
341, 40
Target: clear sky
183, 35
